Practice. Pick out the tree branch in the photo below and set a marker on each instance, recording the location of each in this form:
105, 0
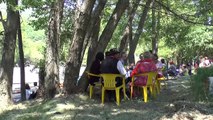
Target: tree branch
183, 17
1, 20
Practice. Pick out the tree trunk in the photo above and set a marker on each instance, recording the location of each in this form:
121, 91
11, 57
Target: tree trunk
52, 51
91, 38
83, 83
92, 28
73, 64
158, 26
154, 29
109, 29
9, 44
111, 25
127, 35
21, 56
134, 42
100, 46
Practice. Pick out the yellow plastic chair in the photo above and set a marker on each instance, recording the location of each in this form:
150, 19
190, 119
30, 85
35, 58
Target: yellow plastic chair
151, 79
158, 83
91, 87
109, 83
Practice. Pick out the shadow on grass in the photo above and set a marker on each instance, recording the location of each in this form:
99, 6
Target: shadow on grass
171, 100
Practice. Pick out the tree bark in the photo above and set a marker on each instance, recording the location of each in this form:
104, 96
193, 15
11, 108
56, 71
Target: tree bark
111, 25
92, 28
9, 44
52, 51
109, 29
91, 38
21, 57
83, 83
127, 35
134, 42
101, 44
154, 29
73, 64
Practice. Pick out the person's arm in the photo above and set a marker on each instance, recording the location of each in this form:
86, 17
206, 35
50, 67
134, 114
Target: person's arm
135, 70
121, 68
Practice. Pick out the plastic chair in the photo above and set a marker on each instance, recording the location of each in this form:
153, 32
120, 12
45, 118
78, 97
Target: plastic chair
91, 87
158, 83
151, 78
109, 83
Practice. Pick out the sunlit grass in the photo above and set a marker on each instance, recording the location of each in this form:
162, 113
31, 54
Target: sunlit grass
80, 107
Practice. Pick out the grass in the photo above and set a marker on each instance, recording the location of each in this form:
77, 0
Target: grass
169, 104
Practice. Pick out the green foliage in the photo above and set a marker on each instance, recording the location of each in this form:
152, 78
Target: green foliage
199, 84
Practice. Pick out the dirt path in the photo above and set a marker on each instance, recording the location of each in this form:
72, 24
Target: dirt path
173, 103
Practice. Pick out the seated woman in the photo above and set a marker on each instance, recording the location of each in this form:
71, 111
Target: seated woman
95, 67
28, 91
145, 65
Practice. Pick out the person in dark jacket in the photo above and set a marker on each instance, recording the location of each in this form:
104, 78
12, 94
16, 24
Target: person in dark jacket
95, 67
113, 65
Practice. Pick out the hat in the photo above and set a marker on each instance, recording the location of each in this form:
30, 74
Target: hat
113, 51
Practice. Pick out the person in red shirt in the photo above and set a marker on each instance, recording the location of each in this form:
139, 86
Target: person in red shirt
145, 65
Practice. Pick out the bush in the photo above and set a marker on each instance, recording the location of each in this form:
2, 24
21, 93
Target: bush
200, 84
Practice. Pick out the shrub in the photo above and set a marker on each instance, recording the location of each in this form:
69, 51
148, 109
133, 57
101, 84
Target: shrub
200, 84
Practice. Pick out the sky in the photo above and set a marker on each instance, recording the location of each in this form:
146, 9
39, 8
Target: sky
25, 13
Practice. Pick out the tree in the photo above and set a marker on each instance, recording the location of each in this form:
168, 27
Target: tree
106, 35
9, 44
127, 35
73, 64
134, 42
52, 50
21, 56
91, 38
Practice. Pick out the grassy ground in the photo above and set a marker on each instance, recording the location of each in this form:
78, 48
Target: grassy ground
175, 102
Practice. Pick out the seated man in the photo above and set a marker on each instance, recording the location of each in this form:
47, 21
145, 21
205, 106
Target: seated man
113, 65
145, 65
34, 91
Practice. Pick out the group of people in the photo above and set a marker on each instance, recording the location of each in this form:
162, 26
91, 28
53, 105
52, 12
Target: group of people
31, 93
112, 63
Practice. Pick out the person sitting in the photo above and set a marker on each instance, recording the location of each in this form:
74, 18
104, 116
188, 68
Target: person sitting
28, 91
34, 91
113, 65
95, 67
159, 65
145, 65
183, 70
172, 69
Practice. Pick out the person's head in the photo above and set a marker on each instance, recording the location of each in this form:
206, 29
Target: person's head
123, 55
107, 53
162, 61
35, 83
114, 53
147, 55
171, 63
141, 56
99, 56
27, 86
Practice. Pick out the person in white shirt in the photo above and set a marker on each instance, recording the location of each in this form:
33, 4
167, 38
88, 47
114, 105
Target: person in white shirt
28, 91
